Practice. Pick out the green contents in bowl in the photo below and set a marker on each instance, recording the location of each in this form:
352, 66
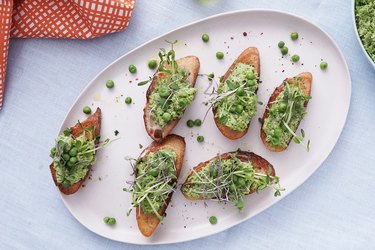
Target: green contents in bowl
364, 15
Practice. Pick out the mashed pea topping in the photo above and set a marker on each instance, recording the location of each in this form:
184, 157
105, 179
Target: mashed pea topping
155, 180
364, 13
170, 97
229, 180
237, 99
72, 157
285, 115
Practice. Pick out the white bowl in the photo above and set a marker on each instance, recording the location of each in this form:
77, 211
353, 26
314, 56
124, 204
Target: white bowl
359, 39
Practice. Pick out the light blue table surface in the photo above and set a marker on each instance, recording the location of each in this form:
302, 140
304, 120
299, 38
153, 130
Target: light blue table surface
334, 209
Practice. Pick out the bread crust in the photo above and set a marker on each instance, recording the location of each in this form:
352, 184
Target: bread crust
306, 89
258, 162
147, 223
249, 56
93, 120
190, 63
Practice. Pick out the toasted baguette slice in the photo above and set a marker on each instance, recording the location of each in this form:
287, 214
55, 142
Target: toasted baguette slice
93, 120
147, 223
249, 56
191, 64
306, 89
259, 164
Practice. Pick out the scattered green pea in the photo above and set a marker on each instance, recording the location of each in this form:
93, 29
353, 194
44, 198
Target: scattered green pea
323, 65
294, 36
109, 221
65, 183
73, 151
200, 138
152, 64
284, 50
197, 122
164, 92
295, 58
190, 123
213, 220
73, 159
205, 38
167, 117
239, 109
110, 84
87, 110
219, 55
240, 91
70, 164
132, 68
128, 100
66, 157
281, 44
154, 172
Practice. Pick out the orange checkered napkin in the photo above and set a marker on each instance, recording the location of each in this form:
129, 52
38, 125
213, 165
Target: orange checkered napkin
76, 19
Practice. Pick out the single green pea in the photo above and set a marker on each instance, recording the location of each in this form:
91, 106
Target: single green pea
164, 92
223, 120
239, 109
174, 86
200, 138
281, 44
190, 123
232, 85
213, 220
152, 64
205, 38
66, 157
87, 110
240, 91
167, 117
67, 131
70, 164
295, 58
73, 151
277, 132
241, 181
275, 141
294, 36
284, 50
183, 102
239, 204
219, 55
251, 83
78, 144
154, 172
65, 183
213, 172
132, 68
281, 106
110, 84
53, 151
323, 65
73, 159
250, 76
197, 122
128, 100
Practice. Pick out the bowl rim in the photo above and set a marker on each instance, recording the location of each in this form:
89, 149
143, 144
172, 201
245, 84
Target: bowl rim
357, 35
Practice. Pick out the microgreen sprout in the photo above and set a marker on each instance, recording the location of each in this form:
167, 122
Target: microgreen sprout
155, 180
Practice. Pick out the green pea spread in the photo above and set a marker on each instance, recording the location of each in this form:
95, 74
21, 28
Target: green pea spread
72, 158
170, 97
237, 99
364, 13
285, 114
156, 180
